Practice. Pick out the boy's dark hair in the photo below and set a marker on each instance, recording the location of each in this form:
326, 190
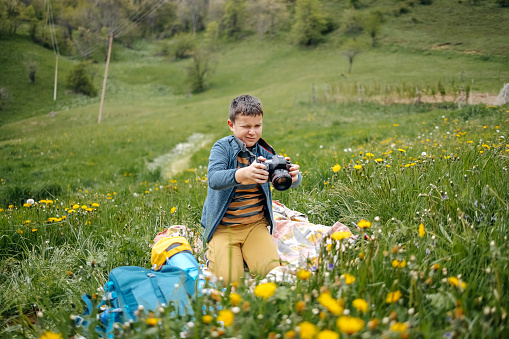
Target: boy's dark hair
245, 105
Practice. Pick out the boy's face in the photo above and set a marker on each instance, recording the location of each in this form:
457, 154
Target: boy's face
247, 128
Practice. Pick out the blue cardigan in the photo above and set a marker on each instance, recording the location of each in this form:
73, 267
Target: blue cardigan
222, 183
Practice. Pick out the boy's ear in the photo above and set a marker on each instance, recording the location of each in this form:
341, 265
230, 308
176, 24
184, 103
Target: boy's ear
230, 124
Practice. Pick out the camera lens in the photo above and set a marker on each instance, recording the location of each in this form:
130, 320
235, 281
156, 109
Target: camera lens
281, 180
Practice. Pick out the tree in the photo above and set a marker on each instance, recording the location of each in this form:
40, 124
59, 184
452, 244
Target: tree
268, 15
350, 50
353, 23
309, 22
79, 81
200, 69
232, 22
373, 25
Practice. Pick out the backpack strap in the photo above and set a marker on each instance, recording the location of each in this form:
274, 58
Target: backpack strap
155, 286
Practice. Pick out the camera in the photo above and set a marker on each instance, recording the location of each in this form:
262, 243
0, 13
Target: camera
278, 168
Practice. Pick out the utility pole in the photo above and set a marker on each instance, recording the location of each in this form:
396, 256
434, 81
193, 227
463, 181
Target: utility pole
105, 79
56, 73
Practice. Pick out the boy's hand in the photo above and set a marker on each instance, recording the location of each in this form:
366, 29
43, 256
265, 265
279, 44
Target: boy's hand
255, 173
293, 171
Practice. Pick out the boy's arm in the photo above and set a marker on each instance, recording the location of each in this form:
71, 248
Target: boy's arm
219, 176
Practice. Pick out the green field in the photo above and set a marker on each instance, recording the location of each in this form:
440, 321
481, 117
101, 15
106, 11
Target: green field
440, 164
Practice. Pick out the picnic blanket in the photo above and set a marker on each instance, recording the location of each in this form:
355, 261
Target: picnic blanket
297, 240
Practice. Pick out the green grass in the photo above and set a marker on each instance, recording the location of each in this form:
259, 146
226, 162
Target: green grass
48, 263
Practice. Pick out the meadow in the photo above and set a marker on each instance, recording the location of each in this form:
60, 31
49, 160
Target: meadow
78, 199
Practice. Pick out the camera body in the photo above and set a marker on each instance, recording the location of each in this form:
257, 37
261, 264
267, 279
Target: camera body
279, 175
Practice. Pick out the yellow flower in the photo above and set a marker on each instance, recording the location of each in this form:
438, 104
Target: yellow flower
327, 334
266, 290
11, 206
95, 204
152, 321
421, 231
226, 316
20, 231
290, 335
307, 330
27, 205
379, 160
300, 306
398, 264
350, 325
303, 274
334, 306
75, 206
392, 297
357, 166
456, 282
399, 327
395, 125
370, 155
360, 305
206, 319
349, 279
84, 207
173, 209
401, 150
51, 335
235, 299
34, 229
336, 168
364, 224
341, 235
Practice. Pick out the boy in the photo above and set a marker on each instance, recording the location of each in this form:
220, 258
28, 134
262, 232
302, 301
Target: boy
238, 207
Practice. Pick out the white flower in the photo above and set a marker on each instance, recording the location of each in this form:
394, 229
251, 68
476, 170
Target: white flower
30, 201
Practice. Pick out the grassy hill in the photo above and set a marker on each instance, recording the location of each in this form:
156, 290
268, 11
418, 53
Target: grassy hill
402, 165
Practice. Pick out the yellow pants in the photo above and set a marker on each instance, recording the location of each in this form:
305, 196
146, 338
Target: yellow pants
231, 246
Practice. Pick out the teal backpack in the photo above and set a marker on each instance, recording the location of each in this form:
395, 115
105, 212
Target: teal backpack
129, 287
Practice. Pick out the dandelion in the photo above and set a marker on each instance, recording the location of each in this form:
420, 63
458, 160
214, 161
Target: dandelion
307, 330
173, 209
392, 297
266, 290
370, 155
290, 335
235, 299
95, 205
27, 205
20, 231
398, 264
364, 224
226, 317
303, 274
34, 229
456, 282
207, 319
357, 166
152, 321
349, 279
300, 306
401, 150
379, 159
51, 335
399, 327
350, 325
340, 235
327, 334
336, 168
360, 305
421, 231
331, 304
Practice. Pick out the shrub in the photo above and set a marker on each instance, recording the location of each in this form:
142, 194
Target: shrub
79, 81
3, 97
184, 45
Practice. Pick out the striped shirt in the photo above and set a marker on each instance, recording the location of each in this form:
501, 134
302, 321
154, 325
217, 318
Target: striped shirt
248, 201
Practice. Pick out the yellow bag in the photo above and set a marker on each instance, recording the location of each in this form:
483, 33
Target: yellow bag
166, 248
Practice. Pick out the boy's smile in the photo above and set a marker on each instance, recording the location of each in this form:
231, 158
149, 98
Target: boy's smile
247, 128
